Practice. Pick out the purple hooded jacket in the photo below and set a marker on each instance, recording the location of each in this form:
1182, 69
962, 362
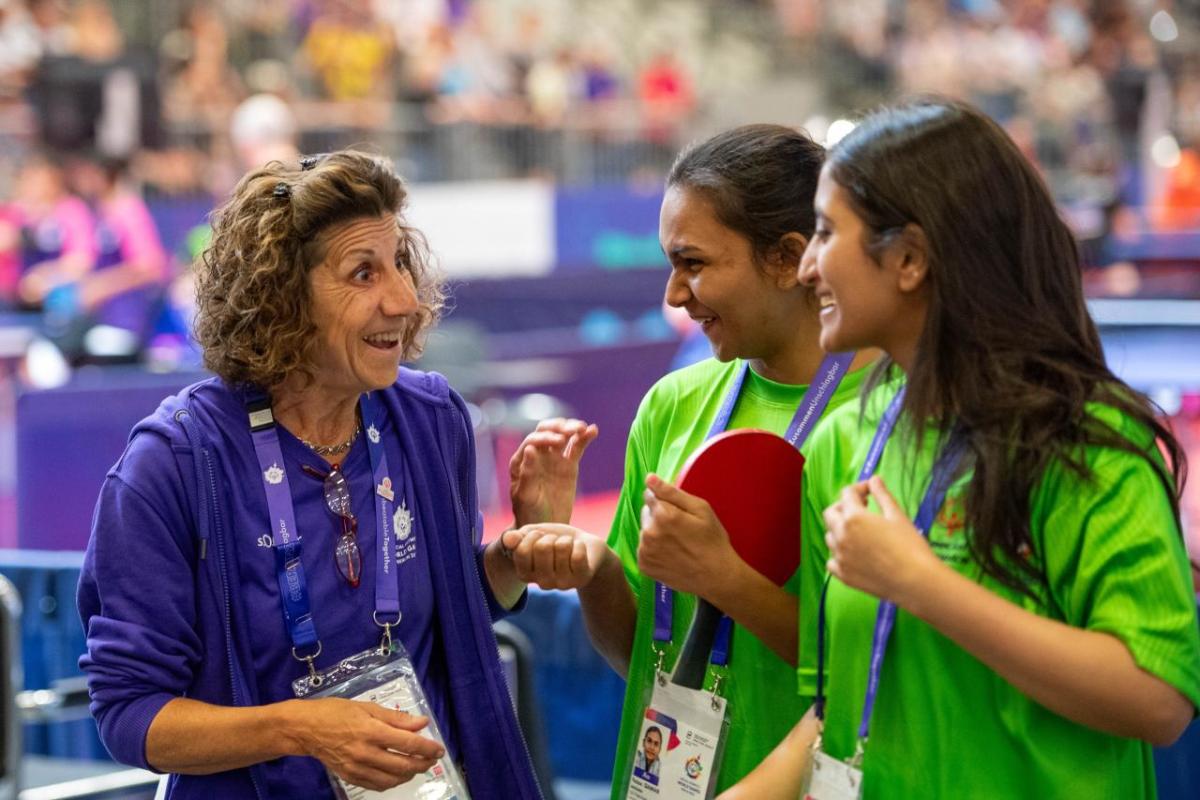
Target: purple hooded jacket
164, 618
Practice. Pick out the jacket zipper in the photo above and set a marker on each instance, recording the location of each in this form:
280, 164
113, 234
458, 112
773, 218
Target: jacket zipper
199, 451
461, 489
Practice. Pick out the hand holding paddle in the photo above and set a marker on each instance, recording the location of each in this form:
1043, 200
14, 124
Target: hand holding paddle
745, 484
682, 543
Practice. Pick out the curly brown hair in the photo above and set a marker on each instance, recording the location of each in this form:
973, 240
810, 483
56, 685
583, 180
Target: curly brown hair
253, 315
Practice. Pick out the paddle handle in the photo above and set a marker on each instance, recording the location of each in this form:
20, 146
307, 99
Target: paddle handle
693, 661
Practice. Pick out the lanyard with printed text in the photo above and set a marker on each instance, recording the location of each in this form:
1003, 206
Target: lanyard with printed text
812, 405
293, 588
944, 470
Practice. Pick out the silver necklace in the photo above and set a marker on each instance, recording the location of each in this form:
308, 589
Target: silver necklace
334, 449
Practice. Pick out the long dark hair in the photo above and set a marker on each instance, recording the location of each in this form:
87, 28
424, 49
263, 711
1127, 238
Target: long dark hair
760, 180
1009, 353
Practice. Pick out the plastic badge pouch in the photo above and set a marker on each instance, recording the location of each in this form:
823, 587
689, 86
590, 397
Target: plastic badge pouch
390, 681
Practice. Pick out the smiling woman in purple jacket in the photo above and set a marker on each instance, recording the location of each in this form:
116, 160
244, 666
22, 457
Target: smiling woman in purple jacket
304, 525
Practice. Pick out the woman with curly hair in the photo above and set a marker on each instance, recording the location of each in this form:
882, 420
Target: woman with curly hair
301, 531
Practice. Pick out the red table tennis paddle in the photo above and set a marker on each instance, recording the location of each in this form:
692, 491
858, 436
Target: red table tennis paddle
751, 478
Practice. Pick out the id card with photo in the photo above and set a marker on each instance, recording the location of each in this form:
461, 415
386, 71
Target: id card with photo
679, 746
389, 681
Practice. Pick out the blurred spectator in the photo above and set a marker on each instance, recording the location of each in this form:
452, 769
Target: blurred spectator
258, 32
53, 30
20, 47
600, 81
1072, 117
1178, 209
412, 21
666, 94
263, 129
94, 34
426, 64
529, 45
350, 51
90, 91
202, 87
125, 288
1125, 57
478, 82
552, 87
56, 242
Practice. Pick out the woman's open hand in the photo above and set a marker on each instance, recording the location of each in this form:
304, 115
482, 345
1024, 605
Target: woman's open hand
545, 468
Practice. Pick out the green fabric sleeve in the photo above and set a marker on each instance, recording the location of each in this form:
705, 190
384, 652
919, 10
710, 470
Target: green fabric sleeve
1115, 562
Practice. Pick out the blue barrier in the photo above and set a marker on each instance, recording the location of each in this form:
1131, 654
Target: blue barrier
580, 695
51, 642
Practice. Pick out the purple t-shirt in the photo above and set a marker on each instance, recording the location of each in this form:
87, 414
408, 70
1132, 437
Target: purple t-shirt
342, 614
66, 230
125, 233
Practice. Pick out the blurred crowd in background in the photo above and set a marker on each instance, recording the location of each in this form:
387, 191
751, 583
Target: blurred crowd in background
537, 134
109, 105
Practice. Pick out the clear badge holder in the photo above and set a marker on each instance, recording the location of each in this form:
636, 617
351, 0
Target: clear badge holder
680, 744
829, 778
388, 679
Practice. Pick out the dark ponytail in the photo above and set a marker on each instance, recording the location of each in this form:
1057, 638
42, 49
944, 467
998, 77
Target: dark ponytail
760, 180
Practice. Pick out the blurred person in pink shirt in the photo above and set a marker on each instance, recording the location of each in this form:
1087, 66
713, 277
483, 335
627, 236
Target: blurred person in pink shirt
54, 241
127, 281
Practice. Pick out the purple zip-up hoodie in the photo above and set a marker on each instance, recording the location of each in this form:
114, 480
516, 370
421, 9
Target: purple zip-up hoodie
153, 636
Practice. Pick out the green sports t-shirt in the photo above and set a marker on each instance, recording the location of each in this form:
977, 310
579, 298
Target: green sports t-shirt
672, 422
945, 725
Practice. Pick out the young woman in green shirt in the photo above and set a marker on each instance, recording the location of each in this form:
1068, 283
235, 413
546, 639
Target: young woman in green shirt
1046, 631
735, 220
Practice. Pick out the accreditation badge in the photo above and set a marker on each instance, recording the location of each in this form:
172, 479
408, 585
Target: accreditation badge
389, 679
680, 744
831, 778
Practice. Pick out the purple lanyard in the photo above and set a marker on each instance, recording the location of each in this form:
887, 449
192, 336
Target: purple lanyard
293, 587
387, 588
829, 376
944, 469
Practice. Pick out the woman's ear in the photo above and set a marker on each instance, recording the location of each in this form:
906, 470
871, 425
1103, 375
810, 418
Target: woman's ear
912, 258
784, 261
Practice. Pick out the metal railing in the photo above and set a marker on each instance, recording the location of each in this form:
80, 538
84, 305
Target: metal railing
10, 679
